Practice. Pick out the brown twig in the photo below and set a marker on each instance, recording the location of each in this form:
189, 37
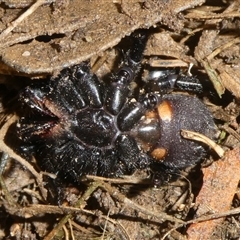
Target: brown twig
201, 138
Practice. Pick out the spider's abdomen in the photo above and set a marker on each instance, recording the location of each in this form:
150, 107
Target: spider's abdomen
179, 112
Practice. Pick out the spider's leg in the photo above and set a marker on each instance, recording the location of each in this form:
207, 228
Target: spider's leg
31, 130
118, 90
189, 84
76, 88
134, 111
130, 156
34, 97
41, 123
88, 84
68, 157
107, 163
64, 92
165, 81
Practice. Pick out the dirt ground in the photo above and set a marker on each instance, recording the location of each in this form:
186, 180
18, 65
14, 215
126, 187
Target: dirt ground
40, 38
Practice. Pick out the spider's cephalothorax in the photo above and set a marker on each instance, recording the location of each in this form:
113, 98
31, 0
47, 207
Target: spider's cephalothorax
78, 125
81, 126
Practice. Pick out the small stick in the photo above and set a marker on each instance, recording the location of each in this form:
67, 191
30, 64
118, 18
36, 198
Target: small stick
201, 138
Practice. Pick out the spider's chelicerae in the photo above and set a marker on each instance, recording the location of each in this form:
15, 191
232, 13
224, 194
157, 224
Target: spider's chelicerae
79, 125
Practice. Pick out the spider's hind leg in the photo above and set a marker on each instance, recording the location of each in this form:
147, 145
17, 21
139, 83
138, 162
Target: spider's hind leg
166, 80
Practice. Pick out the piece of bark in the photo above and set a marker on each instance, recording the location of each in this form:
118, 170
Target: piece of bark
219, 186
48, 41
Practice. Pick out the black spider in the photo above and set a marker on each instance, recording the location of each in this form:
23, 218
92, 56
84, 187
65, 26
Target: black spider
79, 125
